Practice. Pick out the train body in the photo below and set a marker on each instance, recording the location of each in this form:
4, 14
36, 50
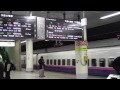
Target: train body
100, 61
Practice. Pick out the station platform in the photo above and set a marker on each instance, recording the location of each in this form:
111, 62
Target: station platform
48, 75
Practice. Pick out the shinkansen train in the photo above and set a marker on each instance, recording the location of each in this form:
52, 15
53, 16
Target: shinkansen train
100, 61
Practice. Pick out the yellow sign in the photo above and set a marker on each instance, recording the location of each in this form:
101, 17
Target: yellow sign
86, 58
77, 48
83, 48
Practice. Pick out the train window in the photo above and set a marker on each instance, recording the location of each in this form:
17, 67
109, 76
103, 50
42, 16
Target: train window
47, 61
102, 62
54, 61
68, 61
59, 62
51, 62
110, 60
63, 61
73, 62
94, 62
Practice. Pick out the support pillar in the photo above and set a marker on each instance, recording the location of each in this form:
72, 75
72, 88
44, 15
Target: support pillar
81, 60
29, 55
17, 55
81, 55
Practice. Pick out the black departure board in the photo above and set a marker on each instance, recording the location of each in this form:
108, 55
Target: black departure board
59, 29
17, 26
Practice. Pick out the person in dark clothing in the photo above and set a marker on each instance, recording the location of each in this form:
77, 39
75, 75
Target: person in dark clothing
8, 68
41, 67
1, 67
116, 65
1, 70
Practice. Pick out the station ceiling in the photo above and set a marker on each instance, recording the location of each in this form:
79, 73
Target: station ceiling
92, 18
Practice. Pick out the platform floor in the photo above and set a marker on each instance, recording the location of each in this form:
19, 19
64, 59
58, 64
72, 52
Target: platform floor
49, 75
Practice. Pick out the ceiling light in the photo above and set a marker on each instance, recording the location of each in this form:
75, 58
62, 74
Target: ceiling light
30, 17
46, 40
110, 15
23, 42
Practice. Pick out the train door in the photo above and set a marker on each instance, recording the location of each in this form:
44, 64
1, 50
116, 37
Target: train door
102, 62
110, 60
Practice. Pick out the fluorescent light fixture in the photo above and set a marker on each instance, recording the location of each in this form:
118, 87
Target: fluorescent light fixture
110, 15
31, 17
23, 42
46, 40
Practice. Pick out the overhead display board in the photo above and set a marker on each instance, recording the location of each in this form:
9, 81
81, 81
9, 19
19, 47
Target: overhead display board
17, 27
59, 29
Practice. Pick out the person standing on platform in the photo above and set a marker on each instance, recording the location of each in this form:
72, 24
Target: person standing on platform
41, 67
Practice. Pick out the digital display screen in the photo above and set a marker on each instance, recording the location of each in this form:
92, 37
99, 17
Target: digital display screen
59, 29
17, 27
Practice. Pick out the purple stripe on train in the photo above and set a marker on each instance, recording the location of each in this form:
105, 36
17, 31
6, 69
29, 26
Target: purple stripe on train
102, 68
95, 71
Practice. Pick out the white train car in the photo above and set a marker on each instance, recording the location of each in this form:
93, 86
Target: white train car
59, 58
99, 58
107, 55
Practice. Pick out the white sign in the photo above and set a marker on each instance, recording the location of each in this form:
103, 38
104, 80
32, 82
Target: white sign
84, 22
113, 76
7, 44
40, 28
